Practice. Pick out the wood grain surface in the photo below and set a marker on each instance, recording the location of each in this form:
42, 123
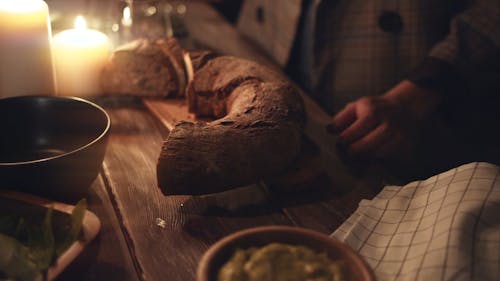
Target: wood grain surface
163, 240
108, 257
148, 236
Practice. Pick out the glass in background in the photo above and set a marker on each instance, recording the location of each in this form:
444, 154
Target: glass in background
150, 19
123, 20
97, 14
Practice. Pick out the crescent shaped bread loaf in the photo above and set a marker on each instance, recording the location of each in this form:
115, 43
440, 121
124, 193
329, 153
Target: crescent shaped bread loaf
256, 134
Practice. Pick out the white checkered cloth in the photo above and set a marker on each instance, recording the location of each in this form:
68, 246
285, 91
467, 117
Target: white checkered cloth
444, 228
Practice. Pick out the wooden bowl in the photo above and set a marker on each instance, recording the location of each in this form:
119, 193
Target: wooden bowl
51, 146
221, 251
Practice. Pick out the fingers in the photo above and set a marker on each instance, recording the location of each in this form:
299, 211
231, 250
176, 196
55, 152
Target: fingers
362, 126
343, 119
365, 120
372, 140
370, 126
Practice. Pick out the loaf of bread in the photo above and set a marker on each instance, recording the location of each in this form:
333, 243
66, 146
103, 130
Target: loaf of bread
257, 134
146, 68
257, 114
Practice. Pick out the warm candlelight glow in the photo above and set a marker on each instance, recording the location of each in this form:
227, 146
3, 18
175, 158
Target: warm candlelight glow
80, 54
126, 19
26, 61
80, 23
21, 6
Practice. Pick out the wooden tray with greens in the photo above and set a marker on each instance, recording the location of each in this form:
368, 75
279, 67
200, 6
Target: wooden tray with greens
39, 237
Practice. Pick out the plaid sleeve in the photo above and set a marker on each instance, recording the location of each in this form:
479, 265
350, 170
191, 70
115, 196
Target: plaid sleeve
473, 43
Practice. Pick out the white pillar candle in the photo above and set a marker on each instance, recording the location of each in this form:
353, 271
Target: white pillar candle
25, 55
79, 56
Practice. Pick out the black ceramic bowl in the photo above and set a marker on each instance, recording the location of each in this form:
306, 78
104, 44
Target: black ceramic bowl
51, 145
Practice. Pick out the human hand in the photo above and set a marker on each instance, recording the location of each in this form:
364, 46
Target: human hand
382, 126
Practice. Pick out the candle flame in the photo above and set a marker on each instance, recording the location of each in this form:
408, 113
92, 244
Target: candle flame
126, 19
80, 23
126, 13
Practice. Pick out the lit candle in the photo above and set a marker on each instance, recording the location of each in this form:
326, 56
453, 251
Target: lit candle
126, 28
127, 18
25, 56
79, 56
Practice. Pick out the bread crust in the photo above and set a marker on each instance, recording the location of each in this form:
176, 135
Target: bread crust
257, 134
258, 115
145, 68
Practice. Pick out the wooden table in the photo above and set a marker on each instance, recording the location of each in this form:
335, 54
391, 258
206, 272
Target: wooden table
135, 244
145, 235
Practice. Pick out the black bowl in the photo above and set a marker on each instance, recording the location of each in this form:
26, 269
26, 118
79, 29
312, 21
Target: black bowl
51, 145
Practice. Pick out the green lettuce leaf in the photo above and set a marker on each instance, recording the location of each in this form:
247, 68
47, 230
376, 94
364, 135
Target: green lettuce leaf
15, 261
28, 249
76, 226
41, 243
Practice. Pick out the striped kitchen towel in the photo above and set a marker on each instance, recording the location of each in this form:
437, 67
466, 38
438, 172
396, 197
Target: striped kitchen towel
444, 228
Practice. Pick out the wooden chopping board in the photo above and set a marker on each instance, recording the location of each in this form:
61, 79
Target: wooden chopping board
90, 227
169, 111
